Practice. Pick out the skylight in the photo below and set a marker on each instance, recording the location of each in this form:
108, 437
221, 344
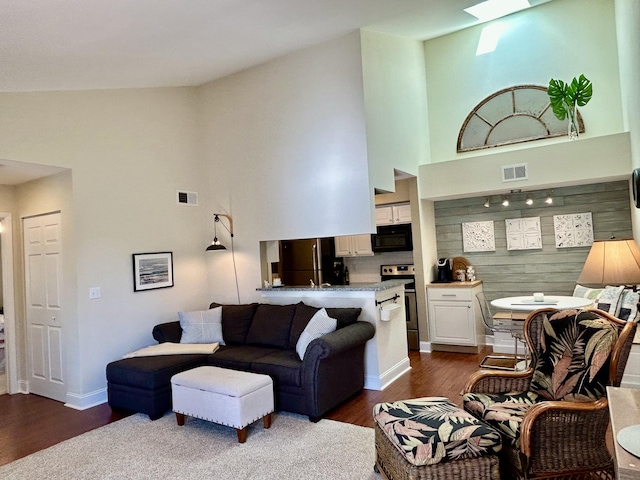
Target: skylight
492, 9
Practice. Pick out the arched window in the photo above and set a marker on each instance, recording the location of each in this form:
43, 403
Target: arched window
514, 115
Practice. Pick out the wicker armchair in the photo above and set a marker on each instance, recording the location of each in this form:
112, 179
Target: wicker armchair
544, 436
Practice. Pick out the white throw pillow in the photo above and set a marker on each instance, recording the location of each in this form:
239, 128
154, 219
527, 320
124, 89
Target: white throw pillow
320, 324
202, 326
585, 292
628, 309
609, 299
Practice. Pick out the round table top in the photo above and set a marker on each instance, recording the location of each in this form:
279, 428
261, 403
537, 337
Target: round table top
527, 304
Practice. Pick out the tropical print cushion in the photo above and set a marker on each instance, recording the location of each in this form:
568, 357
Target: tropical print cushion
431, 430
503, 411
574, 357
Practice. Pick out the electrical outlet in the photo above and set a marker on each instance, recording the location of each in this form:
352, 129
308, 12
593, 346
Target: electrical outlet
94, 293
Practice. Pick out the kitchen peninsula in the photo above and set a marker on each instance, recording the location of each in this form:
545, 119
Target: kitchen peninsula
386, 354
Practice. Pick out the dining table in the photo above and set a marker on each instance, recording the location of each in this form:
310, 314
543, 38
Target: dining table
527, 303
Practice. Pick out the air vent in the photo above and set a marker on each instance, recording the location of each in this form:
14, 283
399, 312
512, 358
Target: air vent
187, 198
511, 173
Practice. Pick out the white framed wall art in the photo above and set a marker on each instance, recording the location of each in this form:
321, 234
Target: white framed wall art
478, 237
523, 233
573, 230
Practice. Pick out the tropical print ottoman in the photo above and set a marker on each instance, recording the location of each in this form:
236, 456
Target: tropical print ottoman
434, 438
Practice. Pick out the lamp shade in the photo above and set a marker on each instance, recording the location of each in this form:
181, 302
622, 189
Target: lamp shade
612, 262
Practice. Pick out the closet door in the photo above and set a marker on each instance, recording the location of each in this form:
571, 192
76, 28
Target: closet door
45, 314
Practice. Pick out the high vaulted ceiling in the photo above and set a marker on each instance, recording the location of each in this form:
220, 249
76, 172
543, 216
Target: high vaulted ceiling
98, 44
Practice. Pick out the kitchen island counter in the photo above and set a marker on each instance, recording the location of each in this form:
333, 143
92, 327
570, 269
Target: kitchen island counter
353, 287
386, 354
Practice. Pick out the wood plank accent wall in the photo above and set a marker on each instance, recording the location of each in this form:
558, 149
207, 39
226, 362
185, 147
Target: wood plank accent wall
550, 270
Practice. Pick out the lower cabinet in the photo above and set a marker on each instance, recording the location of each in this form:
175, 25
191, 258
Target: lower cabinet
454, 315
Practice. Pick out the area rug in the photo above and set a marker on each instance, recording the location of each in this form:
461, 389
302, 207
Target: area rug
136, 448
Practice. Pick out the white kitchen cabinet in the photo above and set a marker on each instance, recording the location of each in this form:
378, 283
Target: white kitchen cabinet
393, 214
454, 315
353, 245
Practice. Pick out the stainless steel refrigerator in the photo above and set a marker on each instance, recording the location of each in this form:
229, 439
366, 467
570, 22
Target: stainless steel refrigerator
313, 259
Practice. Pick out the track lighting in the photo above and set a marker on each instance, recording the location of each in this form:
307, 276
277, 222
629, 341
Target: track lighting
549, 199
487, 204
505, 202
529, 200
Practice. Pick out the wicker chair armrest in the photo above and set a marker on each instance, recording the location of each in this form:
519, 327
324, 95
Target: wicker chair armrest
561, 422
484, 381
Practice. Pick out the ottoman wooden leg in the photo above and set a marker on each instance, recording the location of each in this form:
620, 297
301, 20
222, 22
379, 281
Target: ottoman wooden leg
266, 420
180, 418
242, 434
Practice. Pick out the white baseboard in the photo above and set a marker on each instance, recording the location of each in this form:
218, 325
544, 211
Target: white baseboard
387, 378
23, 387
88, 400
425, 347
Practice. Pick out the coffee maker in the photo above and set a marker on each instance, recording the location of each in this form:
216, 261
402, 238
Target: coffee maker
445, 273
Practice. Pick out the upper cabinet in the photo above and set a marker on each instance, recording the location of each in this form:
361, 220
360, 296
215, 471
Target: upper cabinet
353, 245
393, 214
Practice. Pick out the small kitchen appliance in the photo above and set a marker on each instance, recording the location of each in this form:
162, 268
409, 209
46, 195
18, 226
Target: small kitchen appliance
445, 273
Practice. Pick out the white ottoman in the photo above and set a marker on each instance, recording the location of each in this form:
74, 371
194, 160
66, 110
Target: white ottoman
220, 395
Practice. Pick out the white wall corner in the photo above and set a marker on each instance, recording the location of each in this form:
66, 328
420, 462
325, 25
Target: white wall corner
79, 401
372, 382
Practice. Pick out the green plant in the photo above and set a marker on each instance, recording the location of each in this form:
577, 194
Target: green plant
565, 99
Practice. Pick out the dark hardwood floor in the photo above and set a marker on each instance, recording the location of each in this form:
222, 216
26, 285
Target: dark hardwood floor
29, 423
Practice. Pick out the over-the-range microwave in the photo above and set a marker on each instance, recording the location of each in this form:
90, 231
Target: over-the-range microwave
392, 238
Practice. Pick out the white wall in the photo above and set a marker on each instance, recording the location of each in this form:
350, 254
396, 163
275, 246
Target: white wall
286, 151
129, 151
627, 21
396, 106
559, 39
587, 160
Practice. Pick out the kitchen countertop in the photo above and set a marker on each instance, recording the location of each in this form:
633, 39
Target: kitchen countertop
353, 287
455, 284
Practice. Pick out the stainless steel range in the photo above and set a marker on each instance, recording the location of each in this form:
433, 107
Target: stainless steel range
406, 272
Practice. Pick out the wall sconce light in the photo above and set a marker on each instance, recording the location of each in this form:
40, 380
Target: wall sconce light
505, 201
549, 199
216, 245
487, 203
529, 200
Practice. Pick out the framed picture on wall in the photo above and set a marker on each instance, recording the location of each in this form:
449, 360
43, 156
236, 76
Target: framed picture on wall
152, 270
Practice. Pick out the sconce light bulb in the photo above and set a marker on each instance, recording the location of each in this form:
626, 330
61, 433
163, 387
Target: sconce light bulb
486, 203
505, 202
549, 200
529, 201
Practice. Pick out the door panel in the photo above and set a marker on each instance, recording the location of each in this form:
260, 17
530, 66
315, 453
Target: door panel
45, 314
38, 346
55, 355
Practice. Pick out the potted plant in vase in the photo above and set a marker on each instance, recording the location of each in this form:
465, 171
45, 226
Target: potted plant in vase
565, 99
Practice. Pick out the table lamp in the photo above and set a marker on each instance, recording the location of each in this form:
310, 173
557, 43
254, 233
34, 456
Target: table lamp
615, 262
612, 262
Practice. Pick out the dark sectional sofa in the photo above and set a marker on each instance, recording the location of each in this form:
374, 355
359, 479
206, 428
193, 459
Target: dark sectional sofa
259, 338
